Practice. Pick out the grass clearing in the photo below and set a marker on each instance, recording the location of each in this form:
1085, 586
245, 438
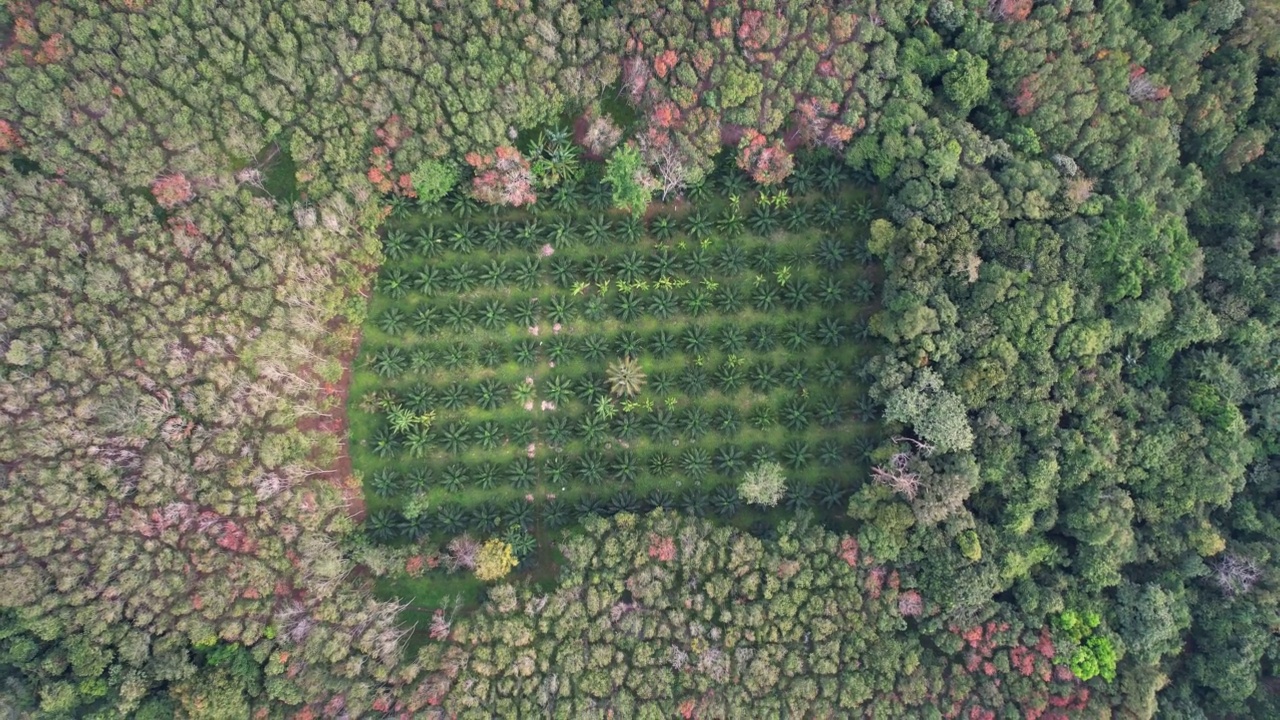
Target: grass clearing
483, 400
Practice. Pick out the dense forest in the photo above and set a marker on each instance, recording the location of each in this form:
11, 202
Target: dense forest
701, 359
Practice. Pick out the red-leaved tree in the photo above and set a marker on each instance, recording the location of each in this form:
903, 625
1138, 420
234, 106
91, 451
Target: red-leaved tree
172, 190
767, 162
502, 177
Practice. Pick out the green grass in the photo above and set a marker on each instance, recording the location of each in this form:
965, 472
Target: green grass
447, 357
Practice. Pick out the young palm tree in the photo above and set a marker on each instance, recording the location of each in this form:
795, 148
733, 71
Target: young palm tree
662, 424
798, 293
488, 435
461, 278
831, 253
831, 292
796, 454
662, 304
730, 223
663, 227
521, 432
385, 483
623, 502
626, 377
396, 245
697, 301
696, 463
830, 332
695, 501
699, 225
522, 543
661, 465
392, 320
381, 525
455, 477
556, 514
522, 473
830, 453
427, 241
592, 429
765, 219
730, 460
659, 499
526, 273
486, 476
555, 470
630, 229
628, 307
625, 467
563, 272
416, 528
394, 282
695, 422
831, 494
418, 480
557, 430
389, 362
560, 309
451, 518
795, 415
725, 501
383, 443
485, 518
591, 468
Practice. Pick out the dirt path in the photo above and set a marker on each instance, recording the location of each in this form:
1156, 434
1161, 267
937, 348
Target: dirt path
334, 397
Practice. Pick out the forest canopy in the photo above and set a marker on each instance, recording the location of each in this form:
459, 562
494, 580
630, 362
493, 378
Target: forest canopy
965, 312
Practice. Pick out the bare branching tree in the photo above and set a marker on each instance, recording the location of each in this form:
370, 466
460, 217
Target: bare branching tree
1236, 574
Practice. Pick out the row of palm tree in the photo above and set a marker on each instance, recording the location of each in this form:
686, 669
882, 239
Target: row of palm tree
515, 518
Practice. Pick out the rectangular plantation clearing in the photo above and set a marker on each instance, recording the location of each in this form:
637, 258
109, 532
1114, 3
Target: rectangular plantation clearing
522, 370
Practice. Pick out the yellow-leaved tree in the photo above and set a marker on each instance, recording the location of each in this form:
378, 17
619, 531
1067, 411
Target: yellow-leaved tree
494, 560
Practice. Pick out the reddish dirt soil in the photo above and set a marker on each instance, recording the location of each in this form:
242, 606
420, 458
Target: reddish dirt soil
334, 397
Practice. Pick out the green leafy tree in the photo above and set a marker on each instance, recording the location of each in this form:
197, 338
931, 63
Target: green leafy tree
630, 180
